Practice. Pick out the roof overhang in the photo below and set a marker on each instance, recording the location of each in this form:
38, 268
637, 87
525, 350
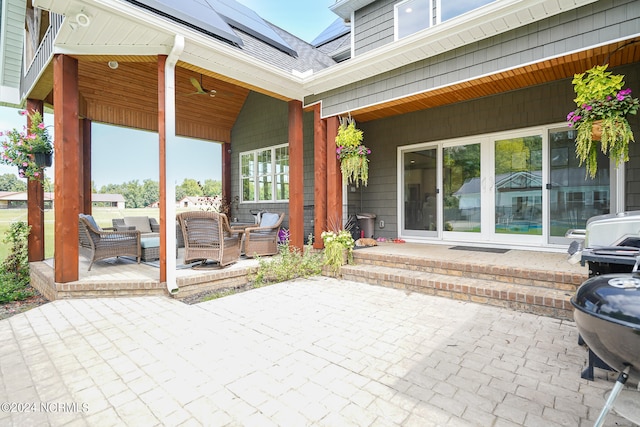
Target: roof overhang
344, 8
152, 34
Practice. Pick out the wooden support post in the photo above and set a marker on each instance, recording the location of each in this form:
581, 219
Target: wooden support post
320, 147
85, 134
334, 176
162, 141
296, 175
35, 201
68, 158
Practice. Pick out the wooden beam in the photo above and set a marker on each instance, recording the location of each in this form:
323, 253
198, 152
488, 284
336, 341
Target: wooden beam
334, 176
85, 133
68, 155
319, 177
296, 175
162, 141
35, 201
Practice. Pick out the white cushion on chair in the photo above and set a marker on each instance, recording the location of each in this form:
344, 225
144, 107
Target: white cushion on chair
269, 219
141, 223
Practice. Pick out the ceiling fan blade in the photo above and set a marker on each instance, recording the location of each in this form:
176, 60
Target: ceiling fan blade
197, 85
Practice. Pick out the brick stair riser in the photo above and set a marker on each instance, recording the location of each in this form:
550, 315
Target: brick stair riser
552, 280
559, 307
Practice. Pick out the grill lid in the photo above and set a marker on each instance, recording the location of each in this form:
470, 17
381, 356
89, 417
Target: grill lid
613, 297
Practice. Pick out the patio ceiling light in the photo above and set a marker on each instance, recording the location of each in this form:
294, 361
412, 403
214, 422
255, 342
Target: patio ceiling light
113, 64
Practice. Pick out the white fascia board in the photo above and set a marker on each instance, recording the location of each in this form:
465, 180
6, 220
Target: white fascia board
344, 8
438, 39
220, 57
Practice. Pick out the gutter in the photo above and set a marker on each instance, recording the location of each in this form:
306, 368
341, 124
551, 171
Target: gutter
171, 146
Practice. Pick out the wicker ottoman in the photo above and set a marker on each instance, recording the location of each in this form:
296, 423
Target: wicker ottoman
150, 248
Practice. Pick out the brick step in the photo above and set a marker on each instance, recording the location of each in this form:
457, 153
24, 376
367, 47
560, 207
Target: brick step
530, 299
522, 276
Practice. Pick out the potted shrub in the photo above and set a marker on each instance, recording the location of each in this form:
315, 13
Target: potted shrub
338, 248
30, 151
354, 163
601, 117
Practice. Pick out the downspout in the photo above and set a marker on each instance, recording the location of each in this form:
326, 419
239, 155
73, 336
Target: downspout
171, 150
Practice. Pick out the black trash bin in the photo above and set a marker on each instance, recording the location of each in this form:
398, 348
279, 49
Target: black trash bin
367, 223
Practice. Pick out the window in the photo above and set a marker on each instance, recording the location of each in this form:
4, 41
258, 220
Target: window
448, 9
412, 16
264, 174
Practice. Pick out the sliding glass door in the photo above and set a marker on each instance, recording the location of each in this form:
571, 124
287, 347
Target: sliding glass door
518, 187
420, 192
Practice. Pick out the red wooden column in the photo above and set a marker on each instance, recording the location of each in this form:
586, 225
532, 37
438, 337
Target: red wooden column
319, 177
226, 173
334, 175
296, 176
35, 201
162, 141
68, 155
85, 136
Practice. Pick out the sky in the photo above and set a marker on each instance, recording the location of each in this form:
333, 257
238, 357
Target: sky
121, 155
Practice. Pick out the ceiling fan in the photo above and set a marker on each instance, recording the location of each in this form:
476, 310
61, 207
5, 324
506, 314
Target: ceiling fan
200, 90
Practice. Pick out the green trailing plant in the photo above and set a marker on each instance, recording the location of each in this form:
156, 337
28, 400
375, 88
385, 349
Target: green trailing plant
354, 163
338, 246
290, 263
602, 105
14, 271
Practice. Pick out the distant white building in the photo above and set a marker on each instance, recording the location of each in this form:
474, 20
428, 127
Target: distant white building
13, 199
200, 202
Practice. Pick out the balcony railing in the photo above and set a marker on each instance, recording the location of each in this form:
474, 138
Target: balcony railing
42, 57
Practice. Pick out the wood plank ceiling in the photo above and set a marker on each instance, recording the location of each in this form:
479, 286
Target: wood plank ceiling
616, 54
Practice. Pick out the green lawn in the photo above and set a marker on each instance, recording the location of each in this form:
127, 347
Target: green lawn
102, 216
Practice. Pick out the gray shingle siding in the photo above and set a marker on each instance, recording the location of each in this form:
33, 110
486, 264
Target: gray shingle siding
547, 38
538, 105
263, 122
373, 26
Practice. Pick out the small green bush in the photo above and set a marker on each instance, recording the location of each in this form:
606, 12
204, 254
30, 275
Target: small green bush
14, 271
290, 263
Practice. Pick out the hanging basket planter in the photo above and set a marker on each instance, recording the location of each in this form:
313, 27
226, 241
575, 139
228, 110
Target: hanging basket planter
600, 119
596, 130
44, 160
354, 163
30, 150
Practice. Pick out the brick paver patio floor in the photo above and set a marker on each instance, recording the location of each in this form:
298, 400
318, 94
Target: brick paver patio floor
310, 352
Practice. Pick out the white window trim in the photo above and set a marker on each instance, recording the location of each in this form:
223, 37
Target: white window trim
433, 21
255, 153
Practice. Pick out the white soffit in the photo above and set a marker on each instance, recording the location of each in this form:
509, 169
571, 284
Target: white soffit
488, 21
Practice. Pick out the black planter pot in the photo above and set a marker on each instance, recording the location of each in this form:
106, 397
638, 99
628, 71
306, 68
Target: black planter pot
44, 160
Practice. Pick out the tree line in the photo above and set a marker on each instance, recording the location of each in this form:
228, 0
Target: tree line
135, 193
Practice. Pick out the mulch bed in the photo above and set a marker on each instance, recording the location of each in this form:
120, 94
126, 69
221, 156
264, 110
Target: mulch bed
15, 307
218, 293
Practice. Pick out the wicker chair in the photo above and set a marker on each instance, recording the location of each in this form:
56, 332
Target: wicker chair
263, 238
97, 243
207, 236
